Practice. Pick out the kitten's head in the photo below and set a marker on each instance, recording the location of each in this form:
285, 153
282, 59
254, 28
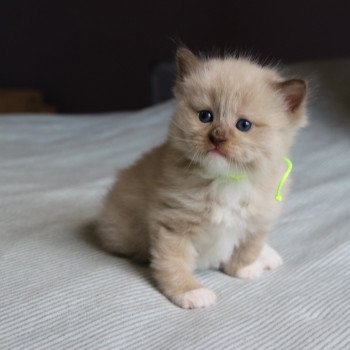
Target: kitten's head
233, 114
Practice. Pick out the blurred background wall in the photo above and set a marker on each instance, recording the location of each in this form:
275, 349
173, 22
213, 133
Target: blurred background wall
89, 56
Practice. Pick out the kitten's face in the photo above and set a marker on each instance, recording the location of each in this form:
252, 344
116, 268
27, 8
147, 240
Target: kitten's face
232, 114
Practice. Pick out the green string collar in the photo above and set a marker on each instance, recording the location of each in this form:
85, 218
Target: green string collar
278, 196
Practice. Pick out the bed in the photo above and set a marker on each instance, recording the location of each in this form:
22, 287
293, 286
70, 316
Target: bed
58, 290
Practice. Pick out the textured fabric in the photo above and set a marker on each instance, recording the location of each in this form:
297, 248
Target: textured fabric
59, 291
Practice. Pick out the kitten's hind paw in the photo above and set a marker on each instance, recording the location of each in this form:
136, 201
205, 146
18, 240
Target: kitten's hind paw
196, 298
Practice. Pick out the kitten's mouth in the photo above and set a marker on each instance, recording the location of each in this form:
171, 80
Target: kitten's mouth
217, 151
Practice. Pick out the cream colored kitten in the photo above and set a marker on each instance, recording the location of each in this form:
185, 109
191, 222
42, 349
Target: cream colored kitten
177, 207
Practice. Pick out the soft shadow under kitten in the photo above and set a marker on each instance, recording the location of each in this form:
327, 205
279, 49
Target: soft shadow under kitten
206, 197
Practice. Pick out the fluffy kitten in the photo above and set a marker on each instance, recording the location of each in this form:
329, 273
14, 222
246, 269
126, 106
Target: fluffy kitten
178, 208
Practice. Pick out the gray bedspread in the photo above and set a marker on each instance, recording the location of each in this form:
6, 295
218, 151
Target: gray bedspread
58, 290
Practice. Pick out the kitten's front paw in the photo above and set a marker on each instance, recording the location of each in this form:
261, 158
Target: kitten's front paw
196, 298
251, 272
268, 259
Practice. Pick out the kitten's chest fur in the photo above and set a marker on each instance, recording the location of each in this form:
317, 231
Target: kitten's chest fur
228, 218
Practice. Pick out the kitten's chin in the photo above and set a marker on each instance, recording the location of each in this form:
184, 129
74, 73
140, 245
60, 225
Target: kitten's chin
215, 165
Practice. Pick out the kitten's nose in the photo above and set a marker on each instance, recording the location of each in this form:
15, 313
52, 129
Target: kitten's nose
217, 136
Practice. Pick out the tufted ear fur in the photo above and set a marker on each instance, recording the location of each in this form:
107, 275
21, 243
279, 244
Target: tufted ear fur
186, 62
293, 92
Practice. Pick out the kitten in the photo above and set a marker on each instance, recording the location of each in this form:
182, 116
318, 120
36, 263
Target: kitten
177, 206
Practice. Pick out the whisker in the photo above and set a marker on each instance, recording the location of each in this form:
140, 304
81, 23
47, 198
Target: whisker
186, 154
193, 159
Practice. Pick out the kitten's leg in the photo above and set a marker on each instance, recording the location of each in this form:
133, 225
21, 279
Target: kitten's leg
251, 258
173, 259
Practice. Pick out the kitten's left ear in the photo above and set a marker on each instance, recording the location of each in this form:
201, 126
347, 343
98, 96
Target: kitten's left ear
293, 92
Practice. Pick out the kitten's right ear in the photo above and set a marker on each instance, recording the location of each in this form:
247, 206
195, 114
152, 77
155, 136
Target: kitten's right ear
186, 62
293, 92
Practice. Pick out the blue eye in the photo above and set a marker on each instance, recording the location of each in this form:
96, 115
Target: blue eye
243, 125
205, 116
